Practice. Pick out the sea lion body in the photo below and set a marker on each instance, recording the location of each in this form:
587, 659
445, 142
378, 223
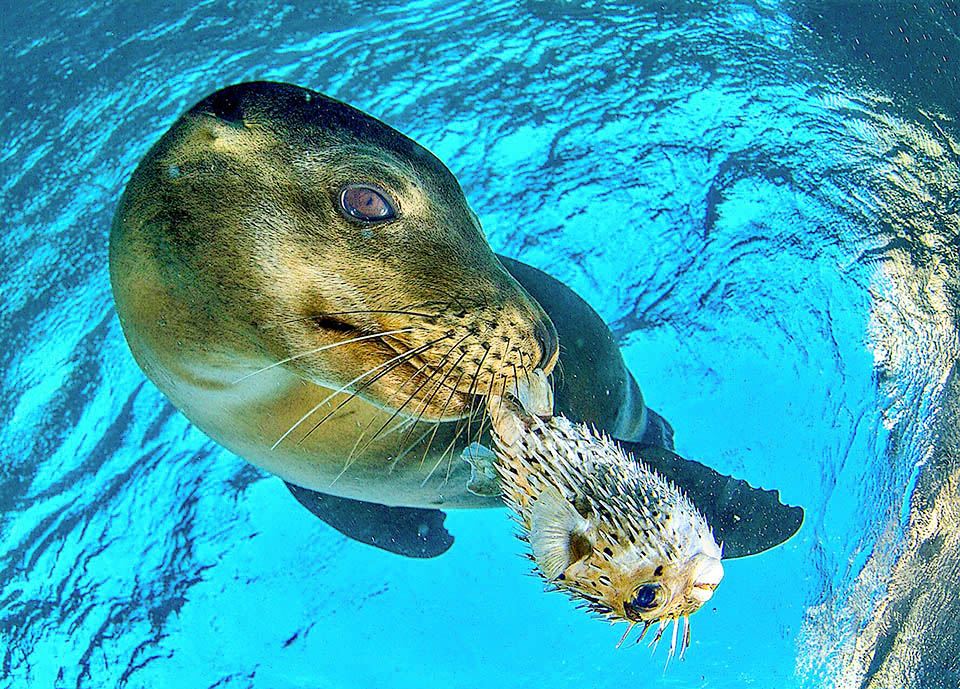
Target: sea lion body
311, 289
228, 252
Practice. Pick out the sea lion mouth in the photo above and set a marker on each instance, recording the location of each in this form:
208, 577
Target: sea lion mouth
442, 364
534, 393
336, 325
404, 356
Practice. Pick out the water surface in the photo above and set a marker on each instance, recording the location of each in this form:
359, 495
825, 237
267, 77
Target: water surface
760, 198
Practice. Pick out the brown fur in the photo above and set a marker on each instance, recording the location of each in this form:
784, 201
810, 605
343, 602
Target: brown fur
229, 253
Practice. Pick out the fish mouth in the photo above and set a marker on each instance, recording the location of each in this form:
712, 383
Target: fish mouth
709, 573
708, 588
701, 593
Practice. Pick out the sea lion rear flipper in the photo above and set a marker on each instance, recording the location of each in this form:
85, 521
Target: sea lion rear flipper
745, 519
409, 531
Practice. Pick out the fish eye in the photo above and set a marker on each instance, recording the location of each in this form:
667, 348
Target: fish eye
643, 601
366, 203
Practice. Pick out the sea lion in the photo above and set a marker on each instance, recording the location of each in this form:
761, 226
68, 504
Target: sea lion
310, 288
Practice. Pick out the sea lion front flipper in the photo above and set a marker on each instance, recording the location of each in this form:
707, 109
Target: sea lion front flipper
745, 519
409, 531
483, 473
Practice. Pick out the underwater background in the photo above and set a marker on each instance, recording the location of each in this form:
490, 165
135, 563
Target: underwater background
761, 198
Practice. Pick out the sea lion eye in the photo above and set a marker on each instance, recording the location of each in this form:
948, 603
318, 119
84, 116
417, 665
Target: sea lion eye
366, 203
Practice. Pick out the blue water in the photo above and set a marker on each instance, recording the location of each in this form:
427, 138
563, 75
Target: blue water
761, 199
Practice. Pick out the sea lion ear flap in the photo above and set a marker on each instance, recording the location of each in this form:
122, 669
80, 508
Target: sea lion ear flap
558, 534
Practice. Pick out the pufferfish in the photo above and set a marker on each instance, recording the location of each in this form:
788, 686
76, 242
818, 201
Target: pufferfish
602, 528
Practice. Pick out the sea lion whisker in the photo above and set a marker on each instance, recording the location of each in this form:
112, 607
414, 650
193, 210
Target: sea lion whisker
456, 300
476, 377
399, 361
438, 366
477, 411
503, 392
484, 417
467, 396
469, 428
448, 298
516, 376
348, 463
400, 426
422, 407
395, 412
526, 373
342, 388
458, 429
437, 425
560, 370
326, 314
410, 397
426, 402
447, 449
523, 369
406, 357
321, 349
503, 389
403, 454
436, 369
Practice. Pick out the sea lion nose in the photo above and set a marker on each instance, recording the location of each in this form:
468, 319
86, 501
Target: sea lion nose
546, 337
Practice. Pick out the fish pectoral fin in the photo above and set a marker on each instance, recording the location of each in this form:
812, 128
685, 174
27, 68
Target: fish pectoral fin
558, 534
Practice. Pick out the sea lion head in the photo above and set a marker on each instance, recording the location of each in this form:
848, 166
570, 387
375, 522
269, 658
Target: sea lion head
275, 224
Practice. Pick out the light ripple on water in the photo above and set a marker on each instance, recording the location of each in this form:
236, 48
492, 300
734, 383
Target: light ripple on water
770, 235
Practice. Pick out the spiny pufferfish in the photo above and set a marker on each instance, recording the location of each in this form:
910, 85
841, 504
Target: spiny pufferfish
603, 529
